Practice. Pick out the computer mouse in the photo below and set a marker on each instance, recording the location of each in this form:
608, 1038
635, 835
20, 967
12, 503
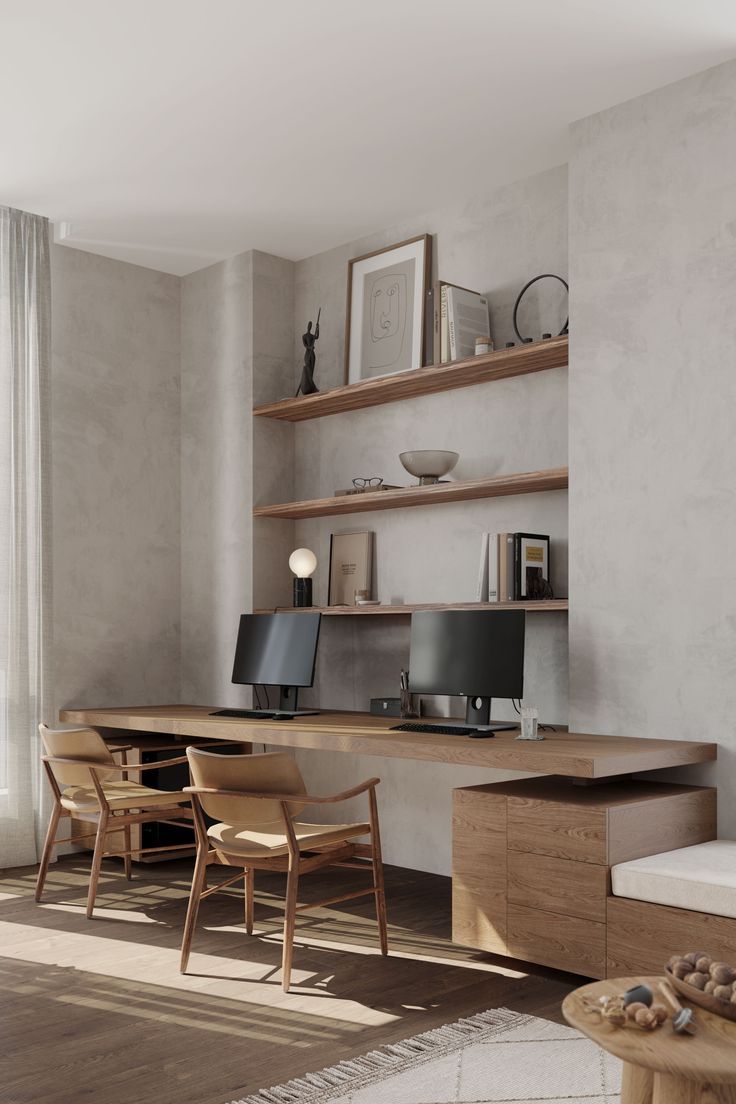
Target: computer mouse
481, 734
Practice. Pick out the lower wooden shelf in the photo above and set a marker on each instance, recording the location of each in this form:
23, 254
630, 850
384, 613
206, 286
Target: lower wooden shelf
549, 605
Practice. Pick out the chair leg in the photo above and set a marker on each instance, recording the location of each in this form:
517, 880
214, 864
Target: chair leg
377, 860
249, 887
48, 848
94, 876
198, 880
292, 888
127, 860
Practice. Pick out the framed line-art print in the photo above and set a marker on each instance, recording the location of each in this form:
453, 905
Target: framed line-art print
387, 293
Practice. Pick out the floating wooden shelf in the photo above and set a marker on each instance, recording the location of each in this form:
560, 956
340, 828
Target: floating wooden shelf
550, 605
495, 486
519, 361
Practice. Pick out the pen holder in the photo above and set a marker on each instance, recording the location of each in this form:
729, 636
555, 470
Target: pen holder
530, 724
407, 704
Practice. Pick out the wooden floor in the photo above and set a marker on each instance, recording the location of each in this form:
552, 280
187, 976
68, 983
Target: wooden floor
97, 1010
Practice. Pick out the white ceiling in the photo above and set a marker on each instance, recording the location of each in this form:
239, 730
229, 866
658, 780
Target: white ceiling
173, 133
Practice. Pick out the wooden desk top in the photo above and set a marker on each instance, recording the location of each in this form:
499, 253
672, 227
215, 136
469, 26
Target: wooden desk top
572, 754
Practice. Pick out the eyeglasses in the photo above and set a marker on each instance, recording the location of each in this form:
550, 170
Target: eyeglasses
368, 481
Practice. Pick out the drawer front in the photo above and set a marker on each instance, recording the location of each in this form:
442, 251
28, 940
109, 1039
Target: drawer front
563, 942
558, 885
553, 828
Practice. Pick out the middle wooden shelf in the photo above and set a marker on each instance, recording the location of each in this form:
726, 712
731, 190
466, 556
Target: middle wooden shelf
493, 486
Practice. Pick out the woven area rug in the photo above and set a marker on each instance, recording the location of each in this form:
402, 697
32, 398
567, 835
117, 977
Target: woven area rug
496, 1057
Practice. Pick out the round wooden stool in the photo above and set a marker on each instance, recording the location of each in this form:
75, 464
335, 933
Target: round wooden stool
661, 1067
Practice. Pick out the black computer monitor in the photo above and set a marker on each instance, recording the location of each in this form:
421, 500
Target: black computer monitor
277, 649
477, 654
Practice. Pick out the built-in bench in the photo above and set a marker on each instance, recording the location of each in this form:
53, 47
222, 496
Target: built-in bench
670, 903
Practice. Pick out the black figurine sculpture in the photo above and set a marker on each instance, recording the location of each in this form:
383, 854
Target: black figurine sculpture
307, 385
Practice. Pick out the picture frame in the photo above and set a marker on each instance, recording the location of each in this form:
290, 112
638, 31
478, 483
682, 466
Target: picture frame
386, 303
351, 566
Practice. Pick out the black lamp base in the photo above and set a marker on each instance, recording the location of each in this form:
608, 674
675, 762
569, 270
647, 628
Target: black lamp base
302, 593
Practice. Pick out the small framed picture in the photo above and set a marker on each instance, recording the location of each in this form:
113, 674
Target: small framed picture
386, 301
351, 567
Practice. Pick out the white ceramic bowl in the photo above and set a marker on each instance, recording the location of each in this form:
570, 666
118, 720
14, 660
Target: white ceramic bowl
429, 465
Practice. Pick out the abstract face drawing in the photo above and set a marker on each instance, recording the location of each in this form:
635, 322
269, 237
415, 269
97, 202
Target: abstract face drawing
387, 318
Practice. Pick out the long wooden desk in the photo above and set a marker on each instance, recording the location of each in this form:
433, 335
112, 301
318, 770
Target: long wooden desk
571, 754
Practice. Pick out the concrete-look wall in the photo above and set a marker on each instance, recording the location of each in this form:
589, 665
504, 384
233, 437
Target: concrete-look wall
216, 475
652, 396
115, 471
494, 244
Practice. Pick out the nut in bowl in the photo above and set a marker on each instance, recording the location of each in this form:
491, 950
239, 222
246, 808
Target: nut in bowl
705, 981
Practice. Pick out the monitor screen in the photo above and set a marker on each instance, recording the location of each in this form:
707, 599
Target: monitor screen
467, 652
277, 649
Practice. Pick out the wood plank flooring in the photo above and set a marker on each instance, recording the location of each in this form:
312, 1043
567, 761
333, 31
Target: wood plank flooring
97, 1010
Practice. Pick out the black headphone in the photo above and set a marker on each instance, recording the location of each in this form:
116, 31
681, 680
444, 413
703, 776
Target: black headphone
544, 276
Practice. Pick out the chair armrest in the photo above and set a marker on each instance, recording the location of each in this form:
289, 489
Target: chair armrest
156, 766
302, 799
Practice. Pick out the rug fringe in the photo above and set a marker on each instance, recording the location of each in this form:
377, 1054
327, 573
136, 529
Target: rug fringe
355, 1073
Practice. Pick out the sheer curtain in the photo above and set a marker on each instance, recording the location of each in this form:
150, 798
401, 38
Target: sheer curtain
25, 593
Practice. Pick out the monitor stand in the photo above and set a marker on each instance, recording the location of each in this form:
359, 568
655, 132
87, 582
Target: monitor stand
478, 713
288, 698
286, 711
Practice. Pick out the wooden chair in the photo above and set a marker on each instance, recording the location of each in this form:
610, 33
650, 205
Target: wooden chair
252, 798
81, 772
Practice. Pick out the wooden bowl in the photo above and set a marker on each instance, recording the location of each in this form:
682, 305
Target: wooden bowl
703, 1000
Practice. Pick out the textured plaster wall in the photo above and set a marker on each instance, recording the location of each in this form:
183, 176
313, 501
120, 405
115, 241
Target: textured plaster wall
494, 244
115, 469
652, 396
216, 475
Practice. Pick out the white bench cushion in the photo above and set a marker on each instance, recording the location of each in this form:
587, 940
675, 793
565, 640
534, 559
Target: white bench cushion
700, 878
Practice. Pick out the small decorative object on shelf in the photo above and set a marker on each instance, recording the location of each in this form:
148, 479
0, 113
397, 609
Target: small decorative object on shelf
303, 563
522, 293
530, 724
351, 567
387, 298
483, 345
307, 386
429, 465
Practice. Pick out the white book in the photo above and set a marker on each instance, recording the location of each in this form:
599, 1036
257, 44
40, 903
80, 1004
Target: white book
493, 567
482, 588
467, 318
444, 341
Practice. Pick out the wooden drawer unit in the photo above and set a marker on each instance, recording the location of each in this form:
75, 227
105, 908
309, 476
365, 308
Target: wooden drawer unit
564, 942
531, 861
560, 885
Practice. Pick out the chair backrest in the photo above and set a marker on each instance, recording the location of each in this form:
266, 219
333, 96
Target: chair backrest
76, 743
274, 772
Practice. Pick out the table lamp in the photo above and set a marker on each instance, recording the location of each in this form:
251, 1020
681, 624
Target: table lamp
303, 563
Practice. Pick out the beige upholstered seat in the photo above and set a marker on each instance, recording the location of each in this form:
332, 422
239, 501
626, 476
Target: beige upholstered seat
255, 800
271, 839
88, 784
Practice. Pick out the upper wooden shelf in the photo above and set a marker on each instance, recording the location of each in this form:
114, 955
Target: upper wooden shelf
464, 490
519, 361
545, 605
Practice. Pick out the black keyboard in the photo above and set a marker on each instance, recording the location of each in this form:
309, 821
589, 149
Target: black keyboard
256, 714
441, 730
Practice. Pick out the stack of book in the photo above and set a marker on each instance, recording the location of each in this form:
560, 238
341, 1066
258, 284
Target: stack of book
514, 567
457, 317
